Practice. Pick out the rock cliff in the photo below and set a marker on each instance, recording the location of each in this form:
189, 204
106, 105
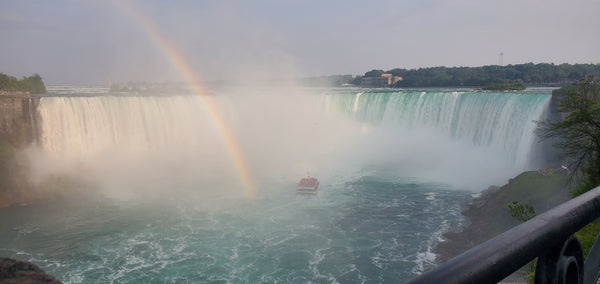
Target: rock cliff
18, 130
18, 120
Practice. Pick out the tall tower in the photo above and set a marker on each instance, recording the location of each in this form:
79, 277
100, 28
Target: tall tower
501, 58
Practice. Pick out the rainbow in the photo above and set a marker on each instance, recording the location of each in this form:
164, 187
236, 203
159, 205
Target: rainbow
177, 59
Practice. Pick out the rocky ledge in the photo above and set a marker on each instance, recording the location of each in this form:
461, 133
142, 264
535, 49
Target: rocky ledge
15, 271
488, 215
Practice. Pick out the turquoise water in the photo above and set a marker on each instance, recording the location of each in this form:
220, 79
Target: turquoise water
165, 206
367, 229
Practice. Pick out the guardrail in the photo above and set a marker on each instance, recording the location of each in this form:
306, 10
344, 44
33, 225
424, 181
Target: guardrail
549, 236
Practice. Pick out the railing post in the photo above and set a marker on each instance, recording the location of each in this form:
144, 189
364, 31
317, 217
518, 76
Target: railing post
547, 236
562, 264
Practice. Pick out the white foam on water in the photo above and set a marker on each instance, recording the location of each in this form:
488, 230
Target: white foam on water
136, 147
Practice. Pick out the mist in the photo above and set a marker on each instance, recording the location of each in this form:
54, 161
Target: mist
151, 187
429, 155
136, 147
169, 197
140, 146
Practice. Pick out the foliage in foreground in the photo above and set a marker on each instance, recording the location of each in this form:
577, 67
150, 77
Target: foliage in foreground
578, 132
579, 136
521, 212
524, 212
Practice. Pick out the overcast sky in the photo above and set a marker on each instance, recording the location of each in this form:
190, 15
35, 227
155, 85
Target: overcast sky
98, 42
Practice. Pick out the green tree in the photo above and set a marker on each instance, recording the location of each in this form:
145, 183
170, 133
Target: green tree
32, 84
374, 73
578, 132
521, 212
524, 212
529, 73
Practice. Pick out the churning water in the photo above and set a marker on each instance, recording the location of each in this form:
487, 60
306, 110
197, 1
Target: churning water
166, 202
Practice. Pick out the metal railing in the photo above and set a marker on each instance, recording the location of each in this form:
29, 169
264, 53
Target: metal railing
549, 236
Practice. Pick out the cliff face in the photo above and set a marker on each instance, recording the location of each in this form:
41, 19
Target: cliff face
18, 130
18, 120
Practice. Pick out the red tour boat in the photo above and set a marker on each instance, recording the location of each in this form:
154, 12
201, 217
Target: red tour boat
307, 185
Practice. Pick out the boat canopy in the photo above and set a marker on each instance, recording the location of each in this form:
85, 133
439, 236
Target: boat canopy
307, 182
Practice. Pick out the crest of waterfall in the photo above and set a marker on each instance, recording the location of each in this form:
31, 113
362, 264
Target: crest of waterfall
85, 126
444, 132
502, 121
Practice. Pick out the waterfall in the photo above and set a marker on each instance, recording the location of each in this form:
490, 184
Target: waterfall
452, 136
503, 121
88, 125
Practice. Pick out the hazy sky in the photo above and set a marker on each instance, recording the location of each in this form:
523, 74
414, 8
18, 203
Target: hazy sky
99, 42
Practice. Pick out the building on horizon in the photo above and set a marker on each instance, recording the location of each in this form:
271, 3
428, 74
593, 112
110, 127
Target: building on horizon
384, 80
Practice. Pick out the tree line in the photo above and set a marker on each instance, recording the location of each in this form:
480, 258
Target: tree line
528, 73
32, 84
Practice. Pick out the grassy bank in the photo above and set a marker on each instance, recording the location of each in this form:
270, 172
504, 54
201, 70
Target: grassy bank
489, 216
